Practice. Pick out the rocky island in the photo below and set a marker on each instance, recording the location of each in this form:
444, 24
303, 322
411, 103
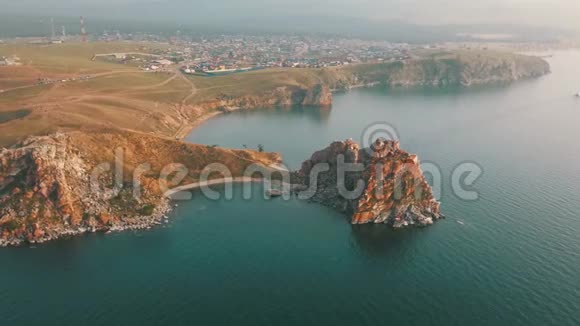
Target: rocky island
391, 186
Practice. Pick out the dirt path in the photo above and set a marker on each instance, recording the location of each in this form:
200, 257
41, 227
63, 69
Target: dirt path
193, 88
103, 74
181, 132
161, 84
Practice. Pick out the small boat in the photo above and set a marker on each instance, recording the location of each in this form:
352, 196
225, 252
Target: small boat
460, 222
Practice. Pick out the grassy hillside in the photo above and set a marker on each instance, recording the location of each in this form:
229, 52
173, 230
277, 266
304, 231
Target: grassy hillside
72, 58
123, 97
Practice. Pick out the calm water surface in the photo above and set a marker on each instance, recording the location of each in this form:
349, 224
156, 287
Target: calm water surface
515, 260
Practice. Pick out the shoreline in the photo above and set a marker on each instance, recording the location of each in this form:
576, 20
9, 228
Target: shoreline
143, 223
316, 96
159, 217
187, 128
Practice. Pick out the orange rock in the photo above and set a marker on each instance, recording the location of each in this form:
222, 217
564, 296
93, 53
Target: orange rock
38, 233
394, 184
104, 219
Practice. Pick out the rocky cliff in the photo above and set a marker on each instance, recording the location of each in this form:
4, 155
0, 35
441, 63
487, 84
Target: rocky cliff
67, 184
388, 185
315, 95
459, 68
312, 87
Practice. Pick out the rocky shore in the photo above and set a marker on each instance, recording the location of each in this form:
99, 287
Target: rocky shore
39, 235
68, 184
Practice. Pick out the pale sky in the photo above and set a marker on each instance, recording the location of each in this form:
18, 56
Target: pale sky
555, 13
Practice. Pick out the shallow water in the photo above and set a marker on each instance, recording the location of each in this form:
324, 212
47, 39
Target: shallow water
513, 260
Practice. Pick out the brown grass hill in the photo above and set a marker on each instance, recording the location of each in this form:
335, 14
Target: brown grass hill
85, 94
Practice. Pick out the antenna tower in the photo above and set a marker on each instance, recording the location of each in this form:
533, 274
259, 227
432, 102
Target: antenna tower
83, 30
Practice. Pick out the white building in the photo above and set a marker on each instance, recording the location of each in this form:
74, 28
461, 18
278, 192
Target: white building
163, 62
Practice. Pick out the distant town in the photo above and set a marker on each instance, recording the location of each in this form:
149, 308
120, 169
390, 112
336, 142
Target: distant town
224, 54
237, 53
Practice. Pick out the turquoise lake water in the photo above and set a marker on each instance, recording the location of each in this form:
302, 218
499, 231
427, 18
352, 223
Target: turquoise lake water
513, 260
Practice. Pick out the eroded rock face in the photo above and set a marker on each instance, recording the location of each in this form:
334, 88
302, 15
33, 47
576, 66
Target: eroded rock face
65, 184
283, 96
387, 185
318, 95
45, 193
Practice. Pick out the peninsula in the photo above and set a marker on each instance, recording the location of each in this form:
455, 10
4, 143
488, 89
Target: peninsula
56, 131
60, 87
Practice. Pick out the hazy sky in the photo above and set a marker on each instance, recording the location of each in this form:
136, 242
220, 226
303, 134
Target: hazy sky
557, 13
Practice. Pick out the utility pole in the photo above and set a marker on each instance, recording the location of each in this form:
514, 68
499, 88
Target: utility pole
83, 30
52, 34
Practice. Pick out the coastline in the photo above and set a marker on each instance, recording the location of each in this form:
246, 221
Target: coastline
407, 75
107, 216
187, 128
158, 217
65, 161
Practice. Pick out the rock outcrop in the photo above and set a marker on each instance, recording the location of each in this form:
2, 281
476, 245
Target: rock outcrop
381, 184
318, 95
283, 96
71, 183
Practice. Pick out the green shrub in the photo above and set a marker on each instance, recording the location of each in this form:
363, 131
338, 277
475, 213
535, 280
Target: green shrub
147, 210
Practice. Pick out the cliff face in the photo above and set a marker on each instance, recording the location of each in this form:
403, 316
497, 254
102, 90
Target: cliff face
392, 187
316, 95
467, 71
463, 68
46, 190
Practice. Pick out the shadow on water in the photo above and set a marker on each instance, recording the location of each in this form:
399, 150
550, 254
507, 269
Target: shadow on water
381, 240
320, 115
444, 91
